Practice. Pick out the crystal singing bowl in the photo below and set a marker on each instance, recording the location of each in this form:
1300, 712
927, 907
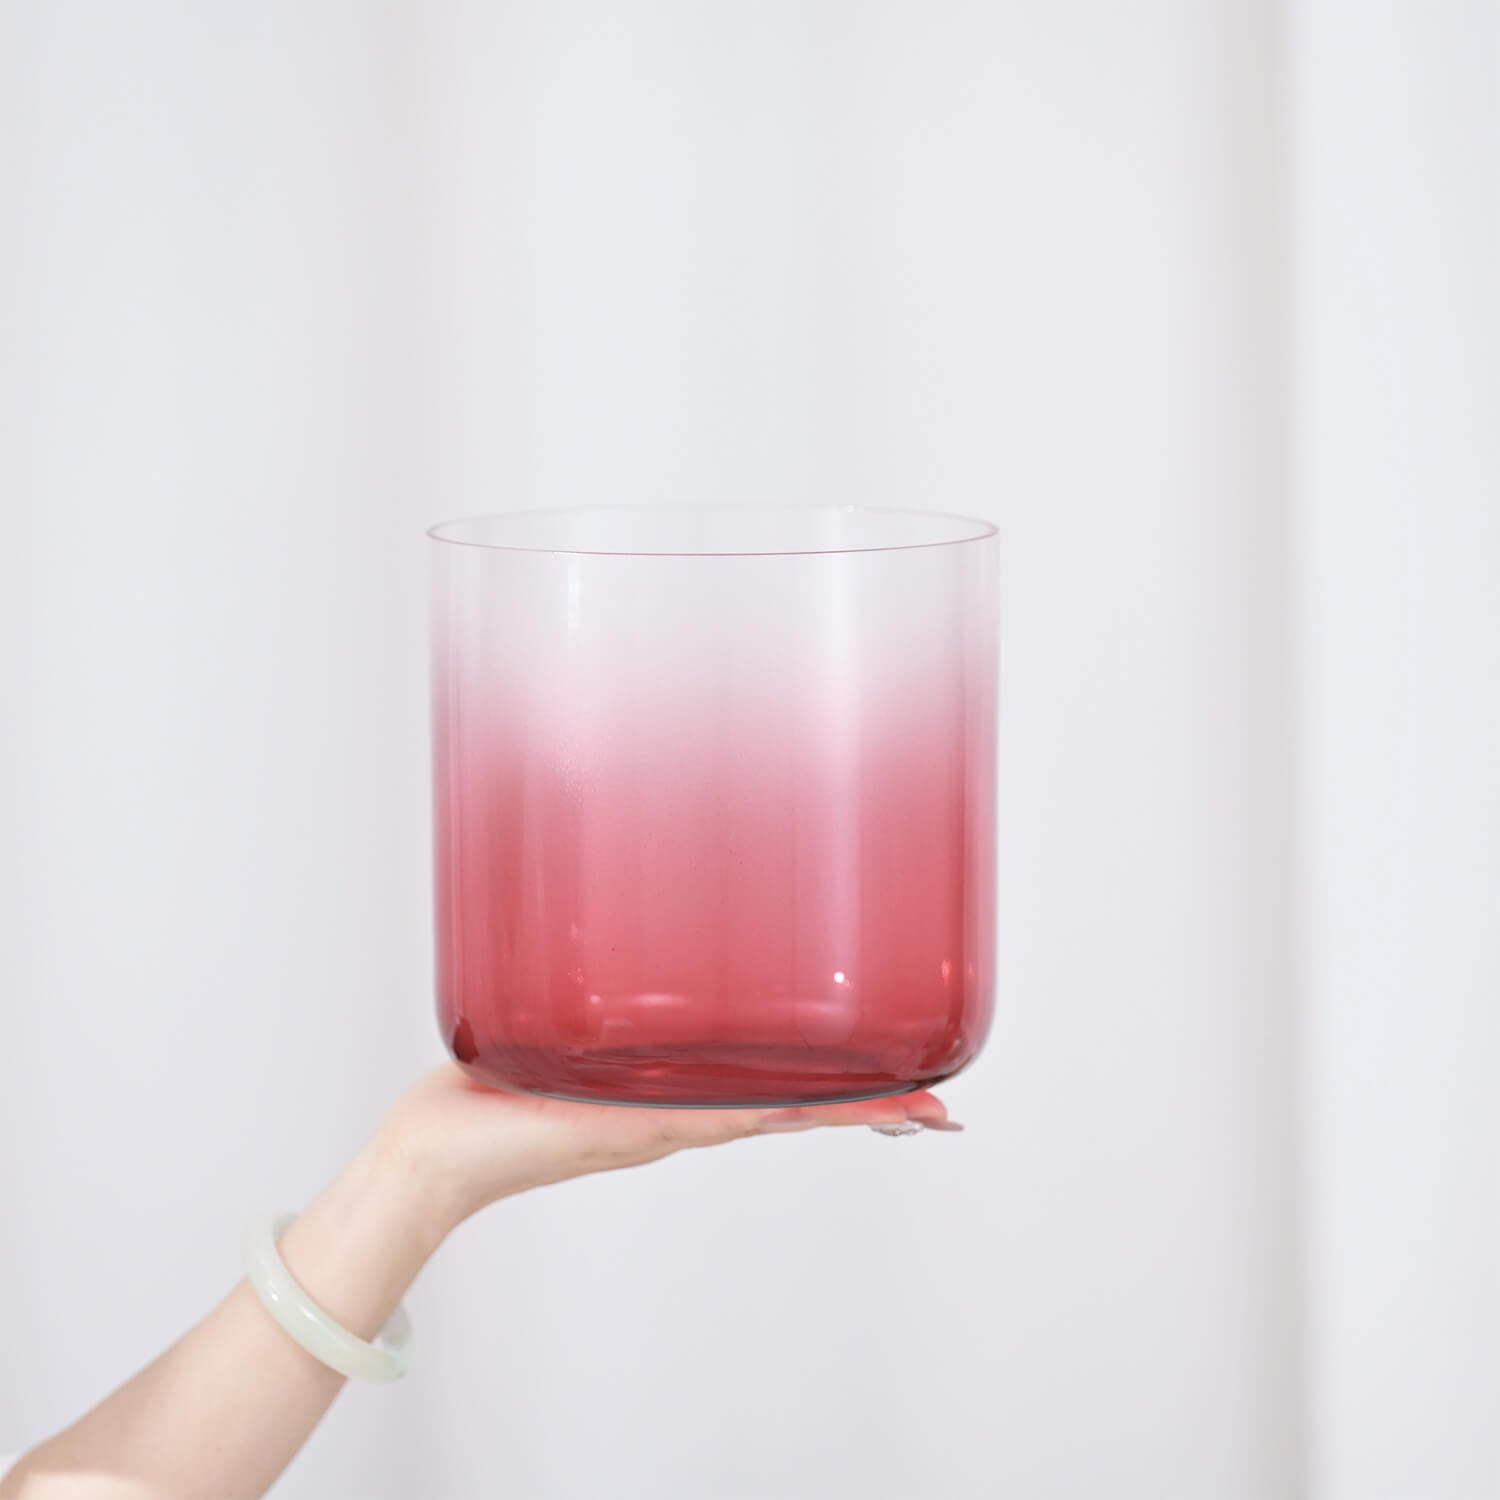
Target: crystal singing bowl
714, 801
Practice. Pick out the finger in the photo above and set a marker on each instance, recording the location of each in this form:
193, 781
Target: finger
901, 1113
921, 1109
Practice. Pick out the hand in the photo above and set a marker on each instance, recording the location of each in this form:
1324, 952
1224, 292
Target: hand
470, 1145
226, 1407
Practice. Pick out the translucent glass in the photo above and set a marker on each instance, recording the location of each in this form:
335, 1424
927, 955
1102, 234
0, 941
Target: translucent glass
714, 801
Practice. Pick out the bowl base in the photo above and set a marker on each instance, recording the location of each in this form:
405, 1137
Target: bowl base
704, 1076
746, 1103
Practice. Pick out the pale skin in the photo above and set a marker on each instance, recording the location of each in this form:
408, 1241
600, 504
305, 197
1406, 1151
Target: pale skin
224, 1410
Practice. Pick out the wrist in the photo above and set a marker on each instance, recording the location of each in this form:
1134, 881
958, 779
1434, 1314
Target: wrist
413, 1187
453, 1158
362, 1242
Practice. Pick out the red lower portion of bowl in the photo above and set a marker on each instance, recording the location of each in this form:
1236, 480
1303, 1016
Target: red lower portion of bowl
705, 1075
633, 927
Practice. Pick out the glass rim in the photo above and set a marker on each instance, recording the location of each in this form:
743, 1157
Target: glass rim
969, 529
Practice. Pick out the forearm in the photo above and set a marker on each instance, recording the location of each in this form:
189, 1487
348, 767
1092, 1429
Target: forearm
226, 1408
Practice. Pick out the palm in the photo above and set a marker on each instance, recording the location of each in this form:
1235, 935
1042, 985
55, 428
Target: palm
487, 1142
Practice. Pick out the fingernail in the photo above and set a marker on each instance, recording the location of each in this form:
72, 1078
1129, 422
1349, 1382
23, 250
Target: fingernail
942, 1124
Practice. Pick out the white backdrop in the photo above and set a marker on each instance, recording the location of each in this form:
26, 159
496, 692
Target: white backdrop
1197, 301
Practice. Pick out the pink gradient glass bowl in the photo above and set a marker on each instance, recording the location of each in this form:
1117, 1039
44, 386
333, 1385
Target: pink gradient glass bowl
714, 801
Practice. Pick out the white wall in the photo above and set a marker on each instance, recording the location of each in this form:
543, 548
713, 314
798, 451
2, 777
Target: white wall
285, 284
1397, 202
214, 962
